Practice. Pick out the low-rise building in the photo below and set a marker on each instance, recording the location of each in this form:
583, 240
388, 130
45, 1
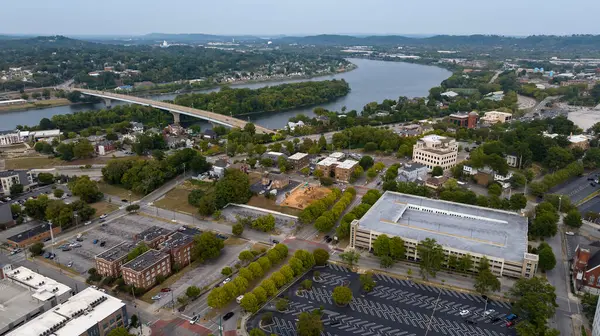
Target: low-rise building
142, 271
8, 138
461, 229
36, 234
8, 178
218, 168
179, 247
468, 120
299, 160
412, 172
104, 147
109, 262
411, 130
344, 170
512, 161
293, 125
596, 322
435, 150
337, 155
436, 182
586, 268
494, 117
274, 156
137, 127
275, 181
209, 134
88, 313
327, 165
153, 236
579, 141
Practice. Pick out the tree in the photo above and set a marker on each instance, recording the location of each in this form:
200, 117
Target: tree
250, 303
16, 210
437, 171
397, 248
192, 292
86, 189
227, 271
486, 281
366, 162
158, 154
518, 202
573, 219
350, 257
206, 246
534, 299
307, 284
16, 189
342, 295
547, 260
257, 332
366, 281
381, 246
465, 263
495, 189
132, 208
237, 229
282, 304
120, 331
431, 257
321, 257
58, 193
83, 149
234, 187
246, 256
309, 324
37, 249
45, 178
133, 320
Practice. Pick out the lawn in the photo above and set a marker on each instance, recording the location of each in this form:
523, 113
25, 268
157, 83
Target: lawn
115, 190
147, 297
103, 208
177, 199
33, 162
269, 204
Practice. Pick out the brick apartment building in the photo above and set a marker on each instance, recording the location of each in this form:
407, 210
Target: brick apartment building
33, 235
344, 170
335, 167
109, 262
179, 247
586, 268
299, 160
154, 236
142, 271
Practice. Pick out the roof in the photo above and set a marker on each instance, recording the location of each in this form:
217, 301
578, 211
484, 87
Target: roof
34, 231
145, 260
46, 133
73, 317
449, 94
15, 303
190, 231
153, 232
177, 240
117, 252
337, 155
45, 288
347, 164
412, 167
459, 115
13, 101
436, 138
328, 161
220, 163
577, 138
7, 173
491, 232
298, 156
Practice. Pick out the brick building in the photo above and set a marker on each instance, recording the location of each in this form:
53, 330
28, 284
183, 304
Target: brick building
109, 262
586, 268
299, 160
344, 170
468, 120
33, 235
179, 247
142, 271
153, 236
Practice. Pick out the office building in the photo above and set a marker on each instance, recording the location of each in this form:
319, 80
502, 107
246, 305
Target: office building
435, 150
142, 271
89, 313
153, 236
494, 117
25, 294
500, 236
299, 160
109, 262
36, 234
468, 120
8, 178
179, 247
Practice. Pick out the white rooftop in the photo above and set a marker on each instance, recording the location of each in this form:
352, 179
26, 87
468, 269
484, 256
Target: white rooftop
449, 94
74, 317
348, 164
274, 153
45, 288
16, 302
298, 156
577, 138
328, 161
337, 155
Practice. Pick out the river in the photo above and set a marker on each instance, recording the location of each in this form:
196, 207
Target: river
371, 81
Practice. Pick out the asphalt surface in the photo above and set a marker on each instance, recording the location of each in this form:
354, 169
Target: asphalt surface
577, 188
394, 307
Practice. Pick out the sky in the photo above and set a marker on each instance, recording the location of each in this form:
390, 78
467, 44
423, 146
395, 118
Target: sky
294, 17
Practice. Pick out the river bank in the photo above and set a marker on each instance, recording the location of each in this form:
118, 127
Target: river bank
39, 105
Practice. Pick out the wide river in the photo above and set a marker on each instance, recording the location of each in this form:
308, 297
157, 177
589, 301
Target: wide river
371, 81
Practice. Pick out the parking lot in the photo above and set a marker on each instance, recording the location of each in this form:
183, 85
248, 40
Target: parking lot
394, 307
112, 233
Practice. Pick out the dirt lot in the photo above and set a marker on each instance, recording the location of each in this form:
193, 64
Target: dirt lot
301, 197
270, 204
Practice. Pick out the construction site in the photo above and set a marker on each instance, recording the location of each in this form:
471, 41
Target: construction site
304, 194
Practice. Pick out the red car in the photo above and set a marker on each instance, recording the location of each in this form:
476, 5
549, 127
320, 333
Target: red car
165, 290
510, 324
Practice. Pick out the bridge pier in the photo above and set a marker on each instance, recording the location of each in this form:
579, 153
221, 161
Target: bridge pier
176, 117
107, 102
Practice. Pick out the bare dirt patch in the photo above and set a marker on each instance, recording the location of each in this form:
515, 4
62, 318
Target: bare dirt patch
302, 196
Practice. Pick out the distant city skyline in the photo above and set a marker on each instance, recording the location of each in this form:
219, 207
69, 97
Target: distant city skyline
307, 17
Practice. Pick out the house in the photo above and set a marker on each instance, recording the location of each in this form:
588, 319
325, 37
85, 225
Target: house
124, 88
103, 147
137, 127
512, 161
274, 156
299, 160
412, 172
495, 96
174, 129
468, 120
218, 168
209, 135
449, 94
323, 119
410, 130
586, 268
578, 140
275, 181
436, 182
292, 125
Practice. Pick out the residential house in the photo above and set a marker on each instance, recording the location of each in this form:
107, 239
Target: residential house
137, 127
218, 168
436, 182
412, 172
293, 125
586, 268
209, 134
275, 181
104, 147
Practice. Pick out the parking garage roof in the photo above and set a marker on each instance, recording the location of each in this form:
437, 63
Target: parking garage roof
496, 233
16, 302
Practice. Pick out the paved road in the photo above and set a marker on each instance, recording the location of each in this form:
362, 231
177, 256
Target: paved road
540, 106
577, 188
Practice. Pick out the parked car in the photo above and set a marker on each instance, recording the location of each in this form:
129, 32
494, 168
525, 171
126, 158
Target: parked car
165, 290
464, 312
47, 255
275, 241
569, 233
95, 241
239, 299
194, 319
510, 324
156, 297
488, 312
329, 240
226, 280
52, 255
471, 321
87, 223
495, 319
511, 317
227, 316
103, 243
70, 264
66, 248
103, 216
94, 286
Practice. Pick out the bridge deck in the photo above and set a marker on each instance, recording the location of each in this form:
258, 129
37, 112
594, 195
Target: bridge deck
207, 115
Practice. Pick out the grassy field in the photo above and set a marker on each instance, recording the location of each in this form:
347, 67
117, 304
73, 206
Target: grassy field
265, 203
177, 199
33, 162
115, 190
103, 208
36, 105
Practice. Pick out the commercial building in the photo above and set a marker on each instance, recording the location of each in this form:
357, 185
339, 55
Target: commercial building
468, 120
8, 138
461, 229
25, 294
35, 234
299, 160
109, 262
586, 268
179, 247
494, 117
412, 172
142, 271
435, 150
8, 178
89, 313
153, 236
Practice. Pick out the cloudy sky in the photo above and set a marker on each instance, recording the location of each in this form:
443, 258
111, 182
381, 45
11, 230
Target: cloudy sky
294, 17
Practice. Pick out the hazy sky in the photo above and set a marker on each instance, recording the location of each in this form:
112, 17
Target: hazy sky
269, 17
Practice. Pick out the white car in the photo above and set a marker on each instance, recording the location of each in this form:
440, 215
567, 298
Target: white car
94, 286
194, 319
103, 216
156, 297
226, 280
87, 223
239, 299
569, 233
70, 264
464, 312
488, 312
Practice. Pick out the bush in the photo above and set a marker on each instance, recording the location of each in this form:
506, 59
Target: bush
326, 181
342, 295
237, 229
282, 304
37, 249
226, 271
58, 193
317, 208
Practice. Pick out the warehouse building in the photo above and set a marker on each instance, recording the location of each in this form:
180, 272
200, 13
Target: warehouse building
461, 229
